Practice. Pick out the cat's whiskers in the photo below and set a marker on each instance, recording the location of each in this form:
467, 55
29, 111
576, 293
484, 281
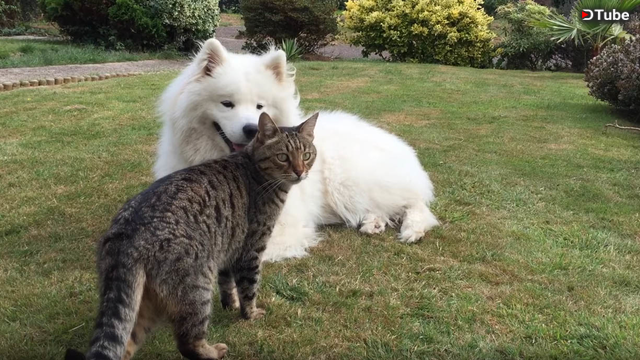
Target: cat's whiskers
269, 182
270, 189
266, 184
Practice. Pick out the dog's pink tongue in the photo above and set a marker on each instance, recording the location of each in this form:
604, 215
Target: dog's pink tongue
237, 147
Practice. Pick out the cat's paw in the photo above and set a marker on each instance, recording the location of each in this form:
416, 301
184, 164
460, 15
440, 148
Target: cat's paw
201, 350
221, 350
255, 314
231, 302
372, 224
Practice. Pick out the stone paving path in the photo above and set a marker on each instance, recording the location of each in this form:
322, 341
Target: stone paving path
46, 72
226, 35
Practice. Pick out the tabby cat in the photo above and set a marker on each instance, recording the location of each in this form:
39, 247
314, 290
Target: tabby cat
160, 258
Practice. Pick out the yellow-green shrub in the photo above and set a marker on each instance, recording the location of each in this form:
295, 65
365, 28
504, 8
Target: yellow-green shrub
452, 32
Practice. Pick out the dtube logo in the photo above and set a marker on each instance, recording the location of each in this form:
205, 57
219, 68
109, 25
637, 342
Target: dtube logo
604, 15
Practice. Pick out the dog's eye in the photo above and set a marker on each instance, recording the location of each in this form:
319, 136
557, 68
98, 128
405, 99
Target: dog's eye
282, 157
306, 156
228, 104
259, 106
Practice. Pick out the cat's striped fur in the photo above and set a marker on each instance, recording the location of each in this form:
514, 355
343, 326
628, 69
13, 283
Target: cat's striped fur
160, 258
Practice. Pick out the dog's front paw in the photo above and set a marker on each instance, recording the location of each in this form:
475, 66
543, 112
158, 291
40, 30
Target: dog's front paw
372, 224
410, 235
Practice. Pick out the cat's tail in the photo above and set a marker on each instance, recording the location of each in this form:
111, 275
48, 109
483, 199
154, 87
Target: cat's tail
72, 354
121, 292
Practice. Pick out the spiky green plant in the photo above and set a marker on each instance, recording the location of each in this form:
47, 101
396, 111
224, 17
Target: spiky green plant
291, 48
591, 33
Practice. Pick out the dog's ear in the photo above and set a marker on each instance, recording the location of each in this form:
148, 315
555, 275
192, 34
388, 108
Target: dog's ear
306, 128
212, 54
267, 129
276, 62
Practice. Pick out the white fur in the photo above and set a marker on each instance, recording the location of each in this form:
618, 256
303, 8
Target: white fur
193, 101
363, 175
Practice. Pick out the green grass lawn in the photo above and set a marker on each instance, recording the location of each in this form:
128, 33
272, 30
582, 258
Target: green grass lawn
30, 53
538, 255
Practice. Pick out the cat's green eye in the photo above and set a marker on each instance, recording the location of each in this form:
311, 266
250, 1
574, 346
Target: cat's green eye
306, 156
282, 157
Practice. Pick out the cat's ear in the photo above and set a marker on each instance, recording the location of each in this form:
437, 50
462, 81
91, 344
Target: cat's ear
267, 129
211, 55
276, 62
306, 128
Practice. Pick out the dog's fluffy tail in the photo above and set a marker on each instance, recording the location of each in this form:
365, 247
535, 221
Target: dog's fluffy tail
290, 241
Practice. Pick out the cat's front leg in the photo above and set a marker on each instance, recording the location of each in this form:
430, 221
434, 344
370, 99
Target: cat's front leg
247, 276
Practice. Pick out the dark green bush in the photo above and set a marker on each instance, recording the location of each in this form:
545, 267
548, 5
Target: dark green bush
82, 20
614, 75
577, 54
126, 15
311, 22
135, 24
230, 6
29, 10
564, 7
14, 12
9, 13
491, 6
525, 46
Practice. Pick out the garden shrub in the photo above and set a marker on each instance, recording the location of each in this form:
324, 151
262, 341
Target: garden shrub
614, 75
83, 21
291, 49
127, 14
9, 13
311, 22
578, 55
557, 62
525, 46
15, 12
188, 21
230, 6
135, 24
29, 10
491, 6
633, 25
564, 7
451, 32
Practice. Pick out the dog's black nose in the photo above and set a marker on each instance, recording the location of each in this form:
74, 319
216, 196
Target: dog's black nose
250, 131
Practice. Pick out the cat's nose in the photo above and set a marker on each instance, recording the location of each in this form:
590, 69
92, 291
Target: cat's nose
298, 172
250, 131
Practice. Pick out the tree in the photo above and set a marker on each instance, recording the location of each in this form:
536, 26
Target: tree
595, 34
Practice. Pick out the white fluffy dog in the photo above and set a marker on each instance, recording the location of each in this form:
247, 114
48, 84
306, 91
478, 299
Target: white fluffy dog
363, 176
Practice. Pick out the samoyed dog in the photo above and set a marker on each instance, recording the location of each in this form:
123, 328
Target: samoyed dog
363, 176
